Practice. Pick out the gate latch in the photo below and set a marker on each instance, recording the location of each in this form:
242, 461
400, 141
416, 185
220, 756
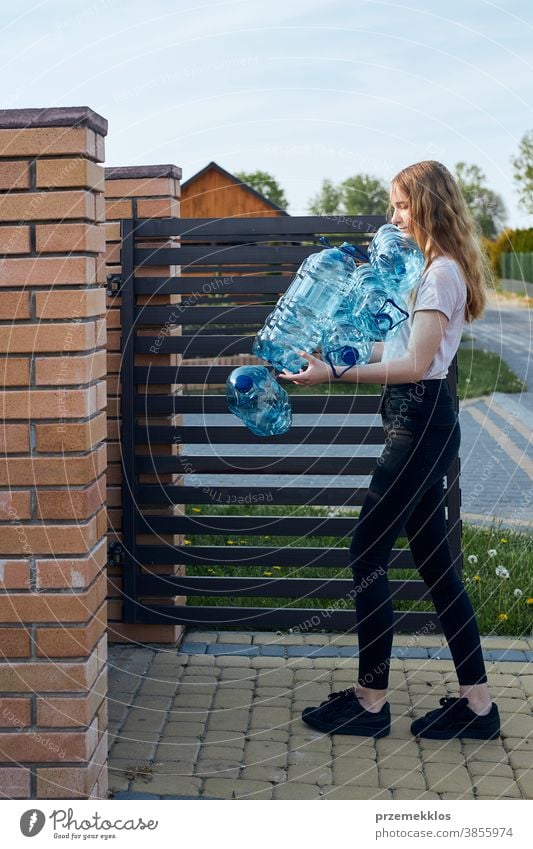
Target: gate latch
115, 554
114, 284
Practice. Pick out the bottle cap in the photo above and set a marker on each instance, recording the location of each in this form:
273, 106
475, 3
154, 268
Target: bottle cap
243, 382
350, 355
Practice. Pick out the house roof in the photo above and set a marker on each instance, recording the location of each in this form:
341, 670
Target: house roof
238, 182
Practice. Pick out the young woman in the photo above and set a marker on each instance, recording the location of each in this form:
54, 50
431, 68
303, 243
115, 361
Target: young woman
422, 438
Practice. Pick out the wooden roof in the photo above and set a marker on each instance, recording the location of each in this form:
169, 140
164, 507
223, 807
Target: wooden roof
215, 193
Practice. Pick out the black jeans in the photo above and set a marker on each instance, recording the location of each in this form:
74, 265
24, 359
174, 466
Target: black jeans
422, 437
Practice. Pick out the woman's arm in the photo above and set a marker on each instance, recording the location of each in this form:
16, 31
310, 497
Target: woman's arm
426, 334
377, 353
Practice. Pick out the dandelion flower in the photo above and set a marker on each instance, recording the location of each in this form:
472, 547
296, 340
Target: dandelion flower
266, 537
477, 578
187, 542
502, 572
276, 568
267, 574
196, 510
529, 601
518, 593
230, 542
492, 552
472, 558
503, 539
502, 617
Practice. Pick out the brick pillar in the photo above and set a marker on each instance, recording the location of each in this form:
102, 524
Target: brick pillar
53, 739
150, 191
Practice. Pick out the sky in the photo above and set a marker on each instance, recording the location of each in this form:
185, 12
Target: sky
303, 89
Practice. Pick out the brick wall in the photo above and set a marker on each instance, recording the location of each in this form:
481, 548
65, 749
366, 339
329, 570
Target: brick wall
146, 192
53, 455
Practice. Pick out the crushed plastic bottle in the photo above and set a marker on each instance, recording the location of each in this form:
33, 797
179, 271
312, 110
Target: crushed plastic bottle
259, 401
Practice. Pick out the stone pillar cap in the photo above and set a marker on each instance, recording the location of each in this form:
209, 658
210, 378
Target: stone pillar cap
62, 116
139, 172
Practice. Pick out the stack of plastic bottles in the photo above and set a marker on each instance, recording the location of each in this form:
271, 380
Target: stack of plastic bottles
331, 304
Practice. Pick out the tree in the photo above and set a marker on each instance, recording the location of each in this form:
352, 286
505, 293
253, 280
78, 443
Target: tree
523, 172
328, 201
265, 184
361, 194
486, 206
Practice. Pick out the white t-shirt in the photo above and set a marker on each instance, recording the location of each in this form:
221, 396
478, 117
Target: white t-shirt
441, 288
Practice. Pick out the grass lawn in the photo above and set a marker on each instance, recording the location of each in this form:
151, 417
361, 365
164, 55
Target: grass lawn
497, 608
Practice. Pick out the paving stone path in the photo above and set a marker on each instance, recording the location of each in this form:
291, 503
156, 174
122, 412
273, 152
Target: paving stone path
221, 719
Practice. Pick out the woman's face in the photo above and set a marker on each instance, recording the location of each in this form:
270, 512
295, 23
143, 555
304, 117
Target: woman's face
400, 204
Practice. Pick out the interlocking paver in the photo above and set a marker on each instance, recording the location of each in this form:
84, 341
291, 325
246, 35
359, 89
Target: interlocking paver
229, 726
447, 778
295, 790
408, 794
265, 753
350, 770
224, 769
225, 788
354, 792
525, 782
166, 785
478, 769
395, 778
229, 720
494, 785
275, 774
310, 773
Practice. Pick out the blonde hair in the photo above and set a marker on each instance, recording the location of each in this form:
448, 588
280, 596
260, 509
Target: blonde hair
442, 225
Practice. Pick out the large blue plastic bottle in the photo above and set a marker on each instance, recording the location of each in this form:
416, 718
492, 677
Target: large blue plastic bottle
345, 343
396, 258
321, 284
378, 307
258, 400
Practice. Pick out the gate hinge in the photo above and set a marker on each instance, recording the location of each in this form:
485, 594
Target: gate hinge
115, 554
114, 284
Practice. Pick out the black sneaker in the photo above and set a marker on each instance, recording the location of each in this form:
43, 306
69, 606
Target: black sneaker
455, 719
342, 713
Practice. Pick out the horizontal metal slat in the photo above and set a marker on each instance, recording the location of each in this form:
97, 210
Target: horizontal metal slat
241, 495
208, 464
296, 526
176, 314
193, 346
320, 404
305, 435
221, 255
261, 556
202, 286
161, 585
265, 617
286, 225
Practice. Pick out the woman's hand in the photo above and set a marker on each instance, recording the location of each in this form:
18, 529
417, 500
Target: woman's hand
316, 372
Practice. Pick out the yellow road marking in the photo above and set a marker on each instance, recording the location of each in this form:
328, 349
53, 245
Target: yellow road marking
503, 440
518, 425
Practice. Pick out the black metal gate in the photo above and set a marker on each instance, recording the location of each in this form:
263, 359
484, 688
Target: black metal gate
232, 272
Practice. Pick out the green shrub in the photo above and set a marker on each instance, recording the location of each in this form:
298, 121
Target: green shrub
508, 242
